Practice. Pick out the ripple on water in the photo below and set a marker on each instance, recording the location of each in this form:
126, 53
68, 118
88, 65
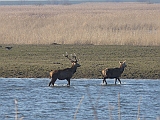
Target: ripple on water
38, 101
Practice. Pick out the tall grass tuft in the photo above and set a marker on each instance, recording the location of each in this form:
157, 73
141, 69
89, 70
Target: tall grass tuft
138, 115
78, 107
16, 110
119, 107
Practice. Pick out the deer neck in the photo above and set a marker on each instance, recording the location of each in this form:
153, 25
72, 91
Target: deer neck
74, 68
121, 69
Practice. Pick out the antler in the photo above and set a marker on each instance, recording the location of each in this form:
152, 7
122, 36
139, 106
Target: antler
67, 56
73, 56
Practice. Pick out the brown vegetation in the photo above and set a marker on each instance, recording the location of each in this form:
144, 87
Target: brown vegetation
89, 23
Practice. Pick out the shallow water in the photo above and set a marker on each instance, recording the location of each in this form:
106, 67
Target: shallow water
37, 101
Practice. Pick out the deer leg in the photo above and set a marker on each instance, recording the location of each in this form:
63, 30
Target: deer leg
104, 80
119, 80
49, 83
68, 82
115, 80
52, 82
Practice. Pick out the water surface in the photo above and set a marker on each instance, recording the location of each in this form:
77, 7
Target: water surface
37, 101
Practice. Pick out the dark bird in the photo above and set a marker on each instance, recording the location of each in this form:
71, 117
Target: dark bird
8, 47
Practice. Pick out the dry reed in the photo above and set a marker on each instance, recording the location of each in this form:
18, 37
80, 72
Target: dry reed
78, 107
16, 110
89, 23
138, 115
119, 107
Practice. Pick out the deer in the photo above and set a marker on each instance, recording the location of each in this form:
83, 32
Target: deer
66, 73
114, 72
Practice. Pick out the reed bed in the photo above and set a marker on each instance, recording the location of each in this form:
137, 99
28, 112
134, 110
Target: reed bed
87, 23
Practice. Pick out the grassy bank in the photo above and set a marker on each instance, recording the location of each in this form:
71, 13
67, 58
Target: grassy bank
37, 60
88, 23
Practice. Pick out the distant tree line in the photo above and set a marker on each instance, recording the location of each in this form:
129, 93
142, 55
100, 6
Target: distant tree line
79, 1
66, 2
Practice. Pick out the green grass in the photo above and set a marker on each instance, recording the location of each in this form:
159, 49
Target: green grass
36, 61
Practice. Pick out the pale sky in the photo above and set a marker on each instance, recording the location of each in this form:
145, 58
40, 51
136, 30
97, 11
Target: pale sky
46, 0
42, 0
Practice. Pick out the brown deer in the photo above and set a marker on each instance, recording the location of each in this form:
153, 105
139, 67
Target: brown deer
65, 73
113, 72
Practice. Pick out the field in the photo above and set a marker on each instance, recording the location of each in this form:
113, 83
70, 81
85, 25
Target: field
88, 23
101, 34
35, 61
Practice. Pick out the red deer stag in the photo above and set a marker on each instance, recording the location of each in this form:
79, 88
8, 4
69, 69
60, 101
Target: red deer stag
65, 73
113, 72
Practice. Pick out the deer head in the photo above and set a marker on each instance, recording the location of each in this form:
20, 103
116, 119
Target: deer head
73, 60
123, 64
